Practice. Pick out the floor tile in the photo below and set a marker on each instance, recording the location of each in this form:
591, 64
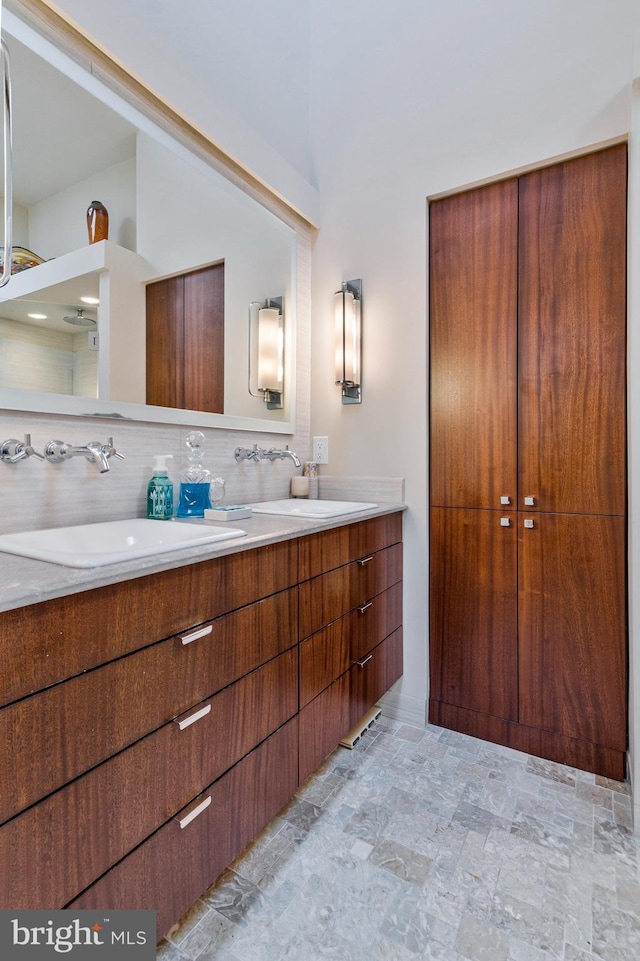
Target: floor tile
427, 845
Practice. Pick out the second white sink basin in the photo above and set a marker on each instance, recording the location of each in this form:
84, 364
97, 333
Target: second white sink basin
299, 507
109, 542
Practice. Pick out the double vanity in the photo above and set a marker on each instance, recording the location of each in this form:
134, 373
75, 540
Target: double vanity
158, 712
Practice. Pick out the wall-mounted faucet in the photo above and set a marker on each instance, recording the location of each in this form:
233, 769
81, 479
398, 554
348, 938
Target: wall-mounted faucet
11, 451
96, 453
259, 453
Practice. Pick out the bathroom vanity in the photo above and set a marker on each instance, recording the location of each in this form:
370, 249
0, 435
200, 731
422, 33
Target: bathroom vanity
152, 726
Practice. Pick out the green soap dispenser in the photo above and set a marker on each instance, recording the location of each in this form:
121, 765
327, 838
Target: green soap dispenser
160, 491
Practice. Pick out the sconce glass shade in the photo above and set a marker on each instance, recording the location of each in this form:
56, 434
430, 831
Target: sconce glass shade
348, 312
266, 352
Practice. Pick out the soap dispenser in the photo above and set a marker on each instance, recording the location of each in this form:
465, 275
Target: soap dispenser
195, 481
160, 491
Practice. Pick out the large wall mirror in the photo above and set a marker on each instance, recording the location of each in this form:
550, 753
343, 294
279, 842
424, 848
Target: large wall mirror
73, 329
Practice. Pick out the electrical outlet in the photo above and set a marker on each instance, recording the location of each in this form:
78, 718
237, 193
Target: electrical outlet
321, 450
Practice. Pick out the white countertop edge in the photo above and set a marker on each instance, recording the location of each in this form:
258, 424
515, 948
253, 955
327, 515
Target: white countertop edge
24, 581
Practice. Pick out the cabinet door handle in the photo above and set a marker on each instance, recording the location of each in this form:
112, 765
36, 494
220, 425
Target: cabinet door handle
529, 501
196, 635
193, 814
365, 560
505, 500
505, 522
528, 523
365, 607
187, 721
364, 660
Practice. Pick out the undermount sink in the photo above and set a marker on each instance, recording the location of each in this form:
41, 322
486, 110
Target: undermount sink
109, 542
299, 507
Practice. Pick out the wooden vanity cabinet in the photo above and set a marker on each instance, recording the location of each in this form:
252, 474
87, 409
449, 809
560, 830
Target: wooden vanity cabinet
126, 708
350, 629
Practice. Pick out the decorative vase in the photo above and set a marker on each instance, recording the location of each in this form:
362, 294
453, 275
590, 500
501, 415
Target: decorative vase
97, 222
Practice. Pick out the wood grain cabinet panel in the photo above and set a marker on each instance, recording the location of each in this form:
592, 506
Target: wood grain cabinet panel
329, 549
99, 713
333, 594
374, 674
572, 659
185, 341
323, 722
66, 636
572, 335
473, 249
175, 866
331, 651
473, 611
47, 861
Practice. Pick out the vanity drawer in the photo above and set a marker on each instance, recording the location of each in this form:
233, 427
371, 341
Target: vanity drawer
176, 865
66, 636
374, 674
329, 549
327, 597
323, 722
101, 712
46, 861
331, 651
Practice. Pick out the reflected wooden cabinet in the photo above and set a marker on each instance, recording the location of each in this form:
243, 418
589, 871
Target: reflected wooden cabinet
528, 636
185, 341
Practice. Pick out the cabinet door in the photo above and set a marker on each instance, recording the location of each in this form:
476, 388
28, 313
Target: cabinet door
473, 273
572, 335
204, 340
185, 341
474, 611
572, 627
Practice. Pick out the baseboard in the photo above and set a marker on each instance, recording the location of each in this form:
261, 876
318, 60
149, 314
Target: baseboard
402, 707
635, 799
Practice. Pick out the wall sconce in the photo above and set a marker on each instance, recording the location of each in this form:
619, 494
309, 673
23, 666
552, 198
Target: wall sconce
348, 305
266, 351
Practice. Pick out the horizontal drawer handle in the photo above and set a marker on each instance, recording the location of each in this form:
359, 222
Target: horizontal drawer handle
365, 560
196, 635
185, 722
364, 660
365, 607
188, 818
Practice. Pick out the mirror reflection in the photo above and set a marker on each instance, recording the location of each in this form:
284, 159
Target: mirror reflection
82, 323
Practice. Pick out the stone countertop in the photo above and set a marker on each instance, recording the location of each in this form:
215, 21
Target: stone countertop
24, 581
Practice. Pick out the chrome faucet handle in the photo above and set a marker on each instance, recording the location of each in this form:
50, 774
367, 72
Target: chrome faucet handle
110, 450
12, 450
28, 449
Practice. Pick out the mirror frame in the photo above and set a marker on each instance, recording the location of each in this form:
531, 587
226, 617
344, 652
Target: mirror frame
98, 65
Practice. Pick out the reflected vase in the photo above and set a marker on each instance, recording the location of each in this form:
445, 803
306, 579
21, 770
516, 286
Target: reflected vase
97, 222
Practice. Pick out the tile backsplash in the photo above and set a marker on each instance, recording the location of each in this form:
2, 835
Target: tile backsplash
37, 494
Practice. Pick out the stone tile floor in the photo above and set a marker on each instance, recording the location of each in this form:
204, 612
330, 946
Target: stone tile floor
430, 845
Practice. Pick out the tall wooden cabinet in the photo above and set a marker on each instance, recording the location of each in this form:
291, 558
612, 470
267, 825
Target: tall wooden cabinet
528, 491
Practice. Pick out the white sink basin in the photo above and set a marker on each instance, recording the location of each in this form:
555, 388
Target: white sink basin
94, 545
299, 507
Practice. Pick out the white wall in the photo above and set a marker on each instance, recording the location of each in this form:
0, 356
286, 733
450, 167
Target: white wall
409, 100
252, 57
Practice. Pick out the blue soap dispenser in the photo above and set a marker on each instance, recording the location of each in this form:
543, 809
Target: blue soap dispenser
160, 491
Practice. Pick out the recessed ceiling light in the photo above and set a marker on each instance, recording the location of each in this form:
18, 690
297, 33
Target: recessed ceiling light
90, 300
37, 316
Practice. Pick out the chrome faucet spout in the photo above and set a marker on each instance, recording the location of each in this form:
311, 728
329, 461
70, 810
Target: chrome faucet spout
96, 453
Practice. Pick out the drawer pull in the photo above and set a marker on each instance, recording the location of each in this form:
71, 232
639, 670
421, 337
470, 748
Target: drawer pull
185, 722
196, 635
364, 660
192, 815
365, 607
365, 560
